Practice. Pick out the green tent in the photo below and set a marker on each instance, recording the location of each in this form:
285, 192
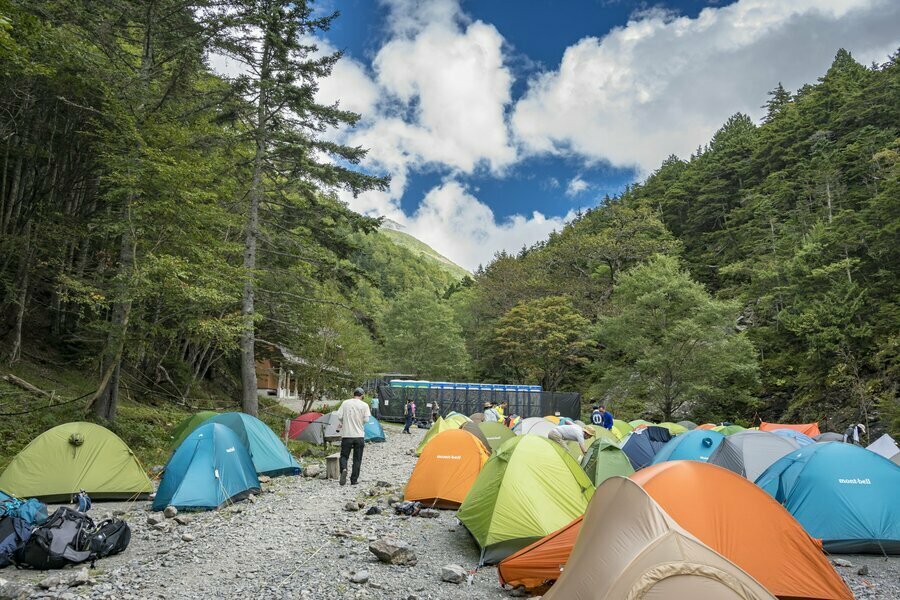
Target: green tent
638, 422
621, 428
72, 457
457, 419
729, 429
184, 429
496, 433
674, 428
602, 433
605, 459
440, 425
531, 487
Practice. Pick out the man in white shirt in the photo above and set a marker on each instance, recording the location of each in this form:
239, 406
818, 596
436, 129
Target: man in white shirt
353, 415
490, 413
563, 433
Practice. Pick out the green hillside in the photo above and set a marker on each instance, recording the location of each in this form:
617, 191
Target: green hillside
424, 250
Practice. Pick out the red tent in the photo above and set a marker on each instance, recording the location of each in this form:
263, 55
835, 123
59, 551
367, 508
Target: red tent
810, 429
302, 422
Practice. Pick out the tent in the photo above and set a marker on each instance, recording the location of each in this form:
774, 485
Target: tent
707, 426
528, 489
749, 453
601, 433
621, 428
651, 557
300, 423
477, 417
810, 429
605, 459
437, 427
886, 447
641, 445
72, 457
211, 468
842, 494
495, 434
689, 425
373, 430
729, 429
638, 422
536, 425
674, 428
270, 455
189, 424
4, 496
324, 429
829, 436
447, 469
457, 420
694, 445
800, 438
473, 428
761, 545
557, 420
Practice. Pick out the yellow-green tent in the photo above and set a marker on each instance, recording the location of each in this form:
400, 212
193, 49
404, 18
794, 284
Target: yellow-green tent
674, 428
184, 429
440, 425
457, 420
528, 489
76, 456
621, 428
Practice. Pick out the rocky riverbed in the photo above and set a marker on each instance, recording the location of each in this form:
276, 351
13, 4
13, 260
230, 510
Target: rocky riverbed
299, 540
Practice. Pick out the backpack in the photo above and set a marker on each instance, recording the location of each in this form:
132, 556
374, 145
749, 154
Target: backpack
64, 539
111, 537
33, 512
13, 533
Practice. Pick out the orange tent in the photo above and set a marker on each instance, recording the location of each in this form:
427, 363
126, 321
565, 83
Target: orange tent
810, 429
713, 504
446, 469
706, 426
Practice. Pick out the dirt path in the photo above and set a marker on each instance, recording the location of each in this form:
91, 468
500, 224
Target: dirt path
297, 541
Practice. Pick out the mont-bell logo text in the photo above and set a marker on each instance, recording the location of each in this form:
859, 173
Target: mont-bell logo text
448, 457
855, 481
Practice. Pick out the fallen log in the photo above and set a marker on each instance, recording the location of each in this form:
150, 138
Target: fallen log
19, 382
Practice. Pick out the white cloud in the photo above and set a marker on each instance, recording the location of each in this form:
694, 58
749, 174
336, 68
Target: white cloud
576, 186
662, 85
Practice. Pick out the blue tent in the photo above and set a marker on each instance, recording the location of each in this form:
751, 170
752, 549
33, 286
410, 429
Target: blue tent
3, 496
642, 444
801, 438
374, 430
209, 469
269, 454
840, 493
697, 444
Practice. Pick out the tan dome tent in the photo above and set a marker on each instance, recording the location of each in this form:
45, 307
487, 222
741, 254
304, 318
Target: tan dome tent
72, 457
649, 557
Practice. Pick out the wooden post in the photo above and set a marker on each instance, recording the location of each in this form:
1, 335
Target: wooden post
287, 430
333, 466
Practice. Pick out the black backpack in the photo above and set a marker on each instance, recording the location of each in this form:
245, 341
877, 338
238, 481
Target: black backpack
13, 533
64, 539
111, 537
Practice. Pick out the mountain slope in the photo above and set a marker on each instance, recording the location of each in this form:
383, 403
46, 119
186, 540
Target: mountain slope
425, 251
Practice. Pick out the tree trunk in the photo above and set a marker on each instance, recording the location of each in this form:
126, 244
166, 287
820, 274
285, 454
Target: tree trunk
14, 354
250, 400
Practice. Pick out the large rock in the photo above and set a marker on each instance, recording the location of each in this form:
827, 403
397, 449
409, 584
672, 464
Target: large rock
170, 511
393, 551
429, 513
154, 519
312, 471
359, 577
453, 574
13, 591
351, 506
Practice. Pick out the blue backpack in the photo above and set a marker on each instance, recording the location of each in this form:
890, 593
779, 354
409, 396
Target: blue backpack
14, 532
33, 512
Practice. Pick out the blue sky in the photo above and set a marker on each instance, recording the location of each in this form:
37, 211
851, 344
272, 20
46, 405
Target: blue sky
498, 119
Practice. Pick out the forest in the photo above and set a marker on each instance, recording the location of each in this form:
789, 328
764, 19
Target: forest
162, 227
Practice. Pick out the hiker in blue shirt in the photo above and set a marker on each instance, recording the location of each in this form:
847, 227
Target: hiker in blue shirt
607, 417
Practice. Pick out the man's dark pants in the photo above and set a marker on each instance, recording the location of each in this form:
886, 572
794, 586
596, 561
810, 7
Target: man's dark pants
356, 445
409, 420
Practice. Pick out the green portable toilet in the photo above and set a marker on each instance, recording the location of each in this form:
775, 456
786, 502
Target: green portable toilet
72, 457
605, 459
531, 487
183, 429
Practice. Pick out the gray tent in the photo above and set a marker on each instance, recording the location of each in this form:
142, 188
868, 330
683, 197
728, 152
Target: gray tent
688, 424
829, 436
324, 429
473, 428
749, 453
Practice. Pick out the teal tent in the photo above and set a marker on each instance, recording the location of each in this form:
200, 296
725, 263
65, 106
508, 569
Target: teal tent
209, 469
373, 430
693, 445
269, 454
842, 494
4, 497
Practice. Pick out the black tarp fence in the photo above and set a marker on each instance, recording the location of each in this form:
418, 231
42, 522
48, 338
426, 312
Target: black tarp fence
467, 401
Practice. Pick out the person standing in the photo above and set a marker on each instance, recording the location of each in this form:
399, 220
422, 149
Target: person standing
373, 403
490, 413
353, 415
435, 411
606, 418
854, 434
409, 411
596, 417
563, 433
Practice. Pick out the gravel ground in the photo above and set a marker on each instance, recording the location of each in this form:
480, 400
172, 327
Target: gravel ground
296, 540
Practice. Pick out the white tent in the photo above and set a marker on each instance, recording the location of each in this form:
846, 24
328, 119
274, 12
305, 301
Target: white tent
886, 447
